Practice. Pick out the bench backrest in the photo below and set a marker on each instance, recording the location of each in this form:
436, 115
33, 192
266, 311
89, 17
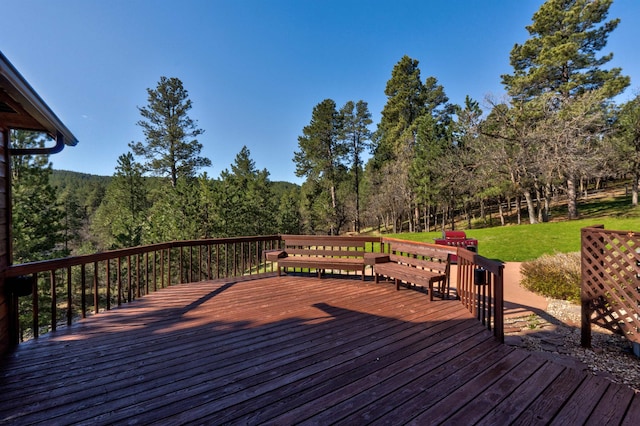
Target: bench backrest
426, 256
323, 246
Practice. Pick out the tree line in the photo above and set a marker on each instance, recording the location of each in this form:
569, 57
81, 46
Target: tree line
429, 162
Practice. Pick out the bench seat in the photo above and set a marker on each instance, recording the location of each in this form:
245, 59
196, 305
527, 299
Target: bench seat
322, 263
321, 253
418, 264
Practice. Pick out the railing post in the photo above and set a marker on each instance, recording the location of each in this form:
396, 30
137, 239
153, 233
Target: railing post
36, 306
54, 302
499, 305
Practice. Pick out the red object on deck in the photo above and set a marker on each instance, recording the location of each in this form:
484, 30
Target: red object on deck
459, 239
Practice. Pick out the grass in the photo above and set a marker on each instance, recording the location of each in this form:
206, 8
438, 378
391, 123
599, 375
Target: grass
519, 243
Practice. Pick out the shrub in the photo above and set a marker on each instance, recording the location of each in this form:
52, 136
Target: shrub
556, 276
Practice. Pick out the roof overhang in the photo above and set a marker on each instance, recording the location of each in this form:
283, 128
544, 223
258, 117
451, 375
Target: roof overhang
22, 108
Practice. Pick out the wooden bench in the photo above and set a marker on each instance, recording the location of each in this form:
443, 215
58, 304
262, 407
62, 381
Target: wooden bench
416, 263
321, 253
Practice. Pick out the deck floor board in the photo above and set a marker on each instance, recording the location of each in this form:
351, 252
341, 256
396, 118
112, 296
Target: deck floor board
294, 349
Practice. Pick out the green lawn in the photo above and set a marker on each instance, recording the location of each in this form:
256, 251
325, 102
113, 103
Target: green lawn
527, 242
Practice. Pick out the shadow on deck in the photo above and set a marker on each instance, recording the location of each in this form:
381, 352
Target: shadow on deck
295, 349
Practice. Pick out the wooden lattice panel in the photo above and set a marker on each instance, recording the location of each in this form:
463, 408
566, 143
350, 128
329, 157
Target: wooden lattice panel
611, 279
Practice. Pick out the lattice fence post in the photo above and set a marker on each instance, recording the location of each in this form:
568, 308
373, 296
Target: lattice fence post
591, 263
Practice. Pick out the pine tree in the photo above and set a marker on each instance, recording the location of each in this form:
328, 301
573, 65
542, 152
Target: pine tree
320, 158
405, 103
37, 219
356, 135
122, 215
171, 148
246, 203
559, 64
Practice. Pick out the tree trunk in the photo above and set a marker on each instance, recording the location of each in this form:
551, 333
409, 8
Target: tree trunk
530, 207
539, 203
426, 217
547, 203
518, 211
635, 187
501, 212
572, 198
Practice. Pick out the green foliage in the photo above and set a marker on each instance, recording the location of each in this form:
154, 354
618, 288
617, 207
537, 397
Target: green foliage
171, 148
355, 132
561, 54
320, 159
245, 202
559, 89
405, 103
37, 219
120, 218
627, 144
87, 189
289, 217
556, 276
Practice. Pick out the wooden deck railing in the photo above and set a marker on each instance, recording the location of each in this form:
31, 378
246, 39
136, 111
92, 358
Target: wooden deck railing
62, 290
481, 289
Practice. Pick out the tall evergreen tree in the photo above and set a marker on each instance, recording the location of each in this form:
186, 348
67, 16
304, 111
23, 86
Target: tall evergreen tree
122, 215
405, 103
321, 155
37, 219
559, 63
171, 148
356, 119
246, 203
289, 218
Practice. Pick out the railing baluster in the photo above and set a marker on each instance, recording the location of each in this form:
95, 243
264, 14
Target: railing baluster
129, 291
35, 312
138, 277
96, 298
107, 273
169, 267
217, 261
146, 272
119, 281
162, 268
209, 270
69, 296
83, 290
233, 257
155, 264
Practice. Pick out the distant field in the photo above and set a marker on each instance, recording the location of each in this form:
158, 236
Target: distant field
527, 242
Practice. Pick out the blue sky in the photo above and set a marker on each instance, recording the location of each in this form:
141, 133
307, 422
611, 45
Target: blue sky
255, 69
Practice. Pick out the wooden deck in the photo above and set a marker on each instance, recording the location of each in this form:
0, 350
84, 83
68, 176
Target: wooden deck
295, 349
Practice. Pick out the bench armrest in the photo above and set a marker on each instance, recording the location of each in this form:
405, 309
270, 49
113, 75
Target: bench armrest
274, 255
373, 258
